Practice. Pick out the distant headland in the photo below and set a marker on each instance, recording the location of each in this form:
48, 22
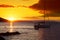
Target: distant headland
3, 20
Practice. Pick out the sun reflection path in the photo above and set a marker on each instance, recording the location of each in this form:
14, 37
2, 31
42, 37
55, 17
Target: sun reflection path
11, 24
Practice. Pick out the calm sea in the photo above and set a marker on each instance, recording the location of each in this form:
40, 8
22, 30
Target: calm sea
25, 28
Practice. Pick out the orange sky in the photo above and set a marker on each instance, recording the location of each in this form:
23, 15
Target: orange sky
20, 13
19, 2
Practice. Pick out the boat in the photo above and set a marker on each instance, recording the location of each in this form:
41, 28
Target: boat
43, 24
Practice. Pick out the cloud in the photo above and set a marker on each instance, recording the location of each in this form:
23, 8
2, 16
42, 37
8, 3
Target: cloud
31, 17
47, 5
4, 5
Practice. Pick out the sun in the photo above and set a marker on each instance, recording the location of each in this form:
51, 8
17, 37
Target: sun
11, 19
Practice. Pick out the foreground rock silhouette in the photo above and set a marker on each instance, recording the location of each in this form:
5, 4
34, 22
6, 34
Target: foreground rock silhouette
9, 33
1, 38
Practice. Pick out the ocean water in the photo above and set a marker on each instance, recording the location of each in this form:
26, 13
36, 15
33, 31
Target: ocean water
25, 28
29, 33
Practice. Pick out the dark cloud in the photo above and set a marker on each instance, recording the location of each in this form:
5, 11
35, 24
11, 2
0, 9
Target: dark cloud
50, 5
4, 5
47, 5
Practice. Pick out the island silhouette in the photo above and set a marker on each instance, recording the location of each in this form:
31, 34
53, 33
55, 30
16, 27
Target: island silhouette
3, 20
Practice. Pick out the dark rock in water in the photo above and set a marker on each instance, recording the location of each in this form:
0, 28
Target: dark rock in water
1, 38
9, 33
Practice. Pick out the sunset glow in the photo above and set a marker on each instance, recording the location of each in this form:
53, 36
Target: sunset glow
19, 13
11, 19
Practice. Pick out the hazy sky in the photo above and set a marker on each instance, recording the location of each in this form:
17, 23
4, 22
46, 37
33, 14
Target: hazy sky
25, 12
18, 13
19, 2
